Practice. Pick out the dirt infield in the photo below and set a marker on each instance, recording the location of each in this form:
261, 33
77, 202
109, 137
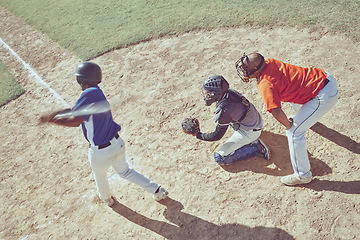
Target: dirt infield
46, 183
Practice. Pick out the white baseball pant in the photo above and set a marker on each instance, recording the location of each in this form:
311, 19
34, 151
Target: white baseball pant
306, 116
114, 156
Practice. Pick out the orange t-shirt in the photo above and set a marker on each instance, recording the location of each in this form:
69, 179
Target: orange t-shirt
283, 82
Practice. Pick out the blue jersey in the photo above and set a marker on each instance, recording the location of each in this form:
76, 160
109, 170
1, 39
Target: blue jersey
97, 128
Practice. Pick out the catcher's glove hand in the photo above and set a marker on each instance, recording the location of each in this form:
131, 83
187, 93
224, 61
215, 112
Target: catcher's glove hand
190, 126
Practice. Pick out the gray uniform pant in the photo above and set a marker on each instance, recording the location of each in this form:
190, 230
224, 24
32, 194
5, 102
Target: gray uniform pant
237, 140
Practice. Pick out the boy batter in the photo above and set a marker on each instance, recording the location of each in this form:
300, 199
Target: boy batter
106, 148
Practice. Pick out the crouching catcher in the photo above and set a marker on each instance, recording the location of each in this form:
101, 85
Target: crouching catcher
232, 109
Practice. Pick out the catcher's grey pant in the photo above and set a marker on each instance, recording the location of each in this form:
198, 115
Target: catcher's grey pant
239, 139
306, 116
114, 155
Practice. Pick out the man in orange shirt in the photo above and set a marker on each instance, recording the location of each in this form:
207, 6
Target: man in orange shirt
311, 91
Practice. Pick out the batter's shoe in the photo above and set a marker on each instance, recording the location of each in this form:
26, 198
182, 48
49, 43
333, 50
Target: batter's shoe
160, 194
292, 180
109, 201
264, 150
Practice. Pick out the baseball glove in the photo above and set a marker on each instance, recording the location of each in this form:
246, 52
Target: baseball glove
190, 126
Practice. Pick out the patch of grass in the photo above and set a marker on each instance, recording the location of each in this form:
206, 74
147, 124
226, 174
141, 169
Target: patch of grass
9, 88
91, 27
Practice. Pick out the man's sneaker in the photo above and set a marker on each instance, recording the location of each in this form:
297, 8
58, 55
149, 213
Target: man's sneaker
292, 180
265, 152
109, 201
160, 194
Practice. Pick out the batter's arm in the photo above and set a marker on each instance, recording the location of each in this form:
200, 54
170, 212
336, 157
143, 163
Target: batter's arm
68, 122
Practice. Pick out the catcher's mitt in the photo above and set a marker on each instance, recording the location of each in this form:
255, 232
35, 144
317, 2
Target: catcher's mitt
190, 126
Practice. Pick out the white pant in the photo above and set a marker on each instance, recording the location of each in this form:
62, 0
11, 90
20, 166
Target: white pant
238, 140
306, 116
114, 155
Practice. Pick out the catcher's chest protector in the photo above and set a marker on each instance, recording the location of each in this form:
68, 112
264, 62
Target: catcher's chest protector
233, 96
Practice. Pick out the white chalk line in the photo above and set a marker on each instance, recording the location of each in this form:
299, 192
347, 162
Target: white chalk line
34, 75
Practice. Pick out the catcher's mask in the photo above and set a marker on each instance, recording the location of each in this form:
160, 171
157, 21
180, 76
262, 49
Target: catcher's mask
214, 88
242, 65
88, 73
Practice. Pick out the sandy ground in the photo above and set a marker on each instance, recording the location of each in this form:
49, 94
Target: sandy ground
47, 191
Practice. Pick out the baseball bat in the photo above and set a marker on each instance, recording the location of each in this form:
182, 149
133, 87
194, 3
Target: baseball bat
90, 109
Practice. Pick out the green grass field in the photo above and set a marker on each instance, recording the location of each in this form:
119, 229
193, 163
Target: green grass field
9, 88
90, 28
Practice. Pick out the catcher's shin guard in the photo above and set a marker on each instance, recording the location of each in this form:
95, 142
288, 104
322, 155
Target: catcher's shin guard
240, 154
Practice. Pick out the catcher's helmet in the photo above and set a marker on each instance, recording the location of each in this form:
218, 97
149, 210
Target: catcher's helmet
88, 73
214, 88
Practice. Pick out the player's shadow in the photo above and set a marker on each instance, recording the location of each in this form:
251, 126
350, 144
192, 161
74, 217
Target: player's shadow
184, 226
336, 137
279, 163
352, 187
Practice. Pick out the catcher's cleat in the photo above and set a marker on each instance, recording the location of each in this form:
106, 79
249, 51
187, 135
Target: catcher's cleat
160, 194
292, 180
222, 162
109, 201
264, 150
220, 159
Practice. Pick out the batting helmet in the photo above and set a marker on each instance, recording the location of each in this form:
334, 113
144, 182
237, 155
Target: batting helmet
214, 88
88, 73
